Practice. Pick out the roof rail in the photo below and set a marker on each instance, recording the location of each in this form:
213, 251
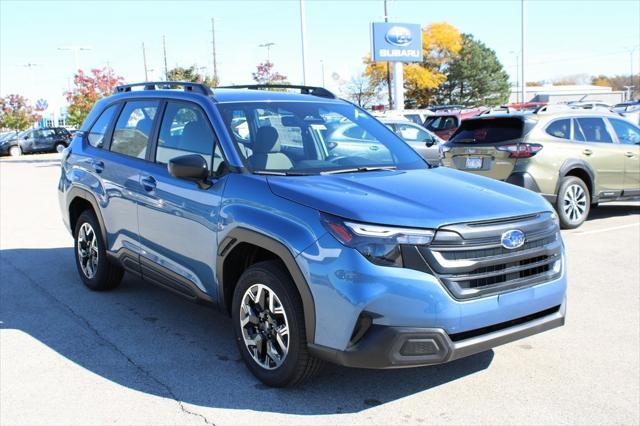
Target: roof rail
187, 86
305, 90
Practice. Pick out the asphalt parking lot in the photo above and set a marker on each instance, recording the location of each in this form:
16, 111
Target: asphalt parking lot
140, 355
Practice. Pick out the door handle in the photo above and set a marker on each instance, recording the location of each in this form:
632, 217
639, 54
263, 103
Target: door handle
629, 154
587, 152
148, 183
97, 165
374, 148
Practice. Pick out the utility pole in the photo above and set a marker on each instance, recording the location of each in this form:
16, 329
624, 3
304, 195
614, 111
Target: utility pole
164, 54
213, 44
523, 29
268, 46
144, 58
303, 40
386, 19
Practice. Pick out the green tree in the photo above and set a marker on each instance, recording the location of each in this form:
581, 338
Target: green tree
190, 74
16, 113
474, 77
87, 90
266, 75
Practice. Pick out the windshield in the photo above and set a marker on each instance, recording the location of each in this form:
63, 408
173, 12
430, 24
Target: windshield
313, 137
492, 130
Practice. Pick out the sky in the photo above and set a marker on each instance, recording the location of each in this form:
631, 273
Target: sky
563, 37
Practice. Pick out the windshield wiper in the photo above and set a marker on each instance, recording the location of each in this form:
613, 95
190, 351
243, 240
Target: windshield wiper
358, 169
278, 173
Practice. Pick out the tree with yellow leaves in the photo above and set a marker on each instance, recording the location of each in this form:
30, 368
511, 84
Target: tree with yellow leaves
441, 42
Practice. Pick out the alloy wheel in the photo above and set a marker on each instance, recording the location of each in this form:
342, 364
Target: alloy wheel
264, 326
88, 250
574, 202
15, 151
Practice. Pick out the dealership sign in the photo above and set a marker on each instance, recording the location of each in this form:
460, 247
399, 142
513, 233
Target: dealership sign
396, 42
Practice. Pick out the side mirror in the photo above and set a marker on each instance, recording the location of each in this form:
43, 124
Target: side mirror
191, 167
26, 137
429, 142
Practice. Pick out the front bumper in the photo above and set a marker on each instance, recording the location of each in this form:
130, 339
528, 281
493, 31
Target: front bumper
397, 347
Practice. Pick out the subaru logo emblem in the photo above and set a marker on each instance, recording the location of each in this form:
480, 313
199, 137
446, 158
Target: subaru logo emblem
400, 36
512, 239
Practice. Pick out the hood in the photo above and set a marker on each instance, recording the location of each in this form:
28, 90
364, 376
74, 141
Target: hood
427, 198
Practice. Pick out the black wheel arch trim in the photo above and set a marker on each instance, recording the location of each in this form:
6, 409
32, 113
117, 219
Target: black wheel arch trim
244, 235
573, 164
84, 194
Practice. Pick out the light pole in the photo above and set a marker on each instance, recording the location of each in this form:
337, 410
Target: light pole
517, 75
523, 79
631, 51
268, 46
303, 39
322, 67
30, 66
75, 50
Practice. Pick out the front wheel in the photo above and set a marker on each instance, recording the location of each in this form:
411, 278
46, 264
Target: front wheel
268, 321
60, 147
573, 202
15, 151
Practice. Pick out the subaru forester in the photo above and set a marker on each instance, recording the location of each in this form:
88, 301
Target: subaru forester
372, 259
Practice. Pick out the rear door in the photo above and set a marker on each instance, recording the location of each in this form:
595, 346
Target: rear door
628, 137
598, 149
119, 166
475, 146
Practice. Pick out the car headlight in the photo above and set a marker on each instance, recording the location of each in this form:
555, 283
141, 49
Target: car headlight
378, 244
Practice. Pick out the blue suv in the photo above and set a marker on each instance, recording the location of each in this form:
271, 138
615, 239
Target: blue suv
370, 259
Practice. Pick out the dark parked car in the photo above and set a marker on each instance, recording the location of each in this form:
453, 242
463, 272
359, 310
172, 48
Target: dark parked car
47, 139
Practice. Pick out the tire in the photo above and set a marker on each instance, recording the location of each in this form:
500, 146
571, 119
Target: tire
573, 202
295, 365
59, 147
97, 273
15, 151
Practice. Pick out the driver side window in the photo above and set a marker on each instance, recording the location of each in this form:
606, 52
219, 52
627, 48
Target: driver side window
185, 130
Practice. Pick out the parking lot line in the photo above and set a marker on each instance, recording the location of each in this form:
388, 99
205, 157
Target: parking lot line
612, 228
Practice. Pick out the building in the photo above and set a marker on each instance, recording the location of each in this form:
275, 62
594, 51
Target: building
563, 94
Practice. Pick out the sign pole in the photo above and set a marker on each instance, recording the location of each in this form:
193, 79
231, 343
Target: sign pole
398, 86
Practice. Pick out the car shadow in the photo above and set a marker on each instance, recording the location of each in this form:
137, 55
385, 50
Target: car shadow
150, 340
605, 211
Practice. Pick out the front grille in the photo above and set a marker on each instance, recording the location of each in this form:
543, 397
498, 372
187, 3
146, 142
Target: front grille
471, 262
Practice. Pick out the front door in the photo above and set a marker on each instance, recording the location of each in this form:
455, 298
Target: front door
178, 220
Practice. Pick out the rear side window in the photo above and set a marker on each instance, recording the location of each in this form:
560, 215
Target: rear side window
99, 128
133, 128
413, 133
492, 130
441, 123
185, 130
594, 129
627, 133
560, 129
